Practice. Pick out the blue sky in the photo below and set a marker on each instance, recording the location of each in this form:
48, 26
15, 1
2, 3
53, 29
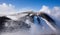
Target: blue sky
34, 4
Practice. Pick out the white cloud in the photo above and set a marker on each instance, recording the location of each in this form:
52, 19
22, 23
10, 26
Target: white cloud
55, 11
7, 9
45, 9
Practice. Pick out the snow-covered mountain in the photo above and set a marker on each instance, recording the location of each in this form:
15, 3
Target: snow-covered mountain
26, 23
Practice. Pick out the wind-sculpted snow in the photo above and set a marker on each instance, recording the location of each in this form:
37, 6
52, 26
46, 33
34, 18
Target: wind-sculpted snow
27, 25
